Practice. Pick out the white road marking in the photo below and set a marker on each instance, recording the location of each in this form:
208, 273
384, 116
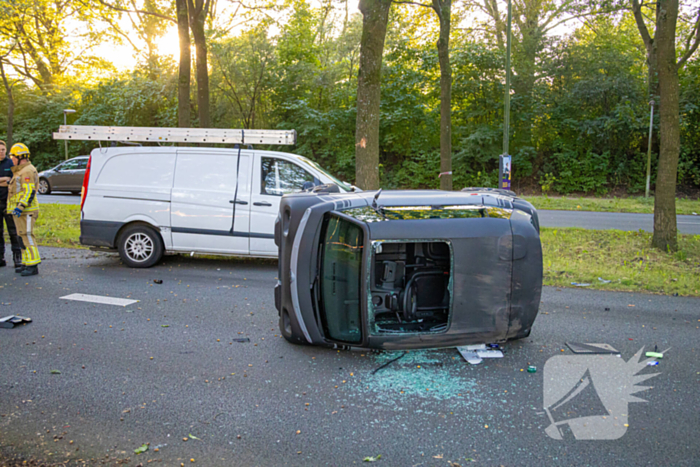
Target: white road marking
80, 297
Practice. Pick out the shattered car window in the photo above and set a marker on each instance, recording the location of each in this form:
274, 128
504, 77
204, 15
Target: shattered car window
341, 270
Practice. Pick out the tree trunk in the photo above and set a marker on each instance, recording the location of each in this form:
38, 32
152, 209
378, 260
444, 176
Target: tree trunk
10, 106
198, 14
665, 229
443, 9
184, 70
374, 24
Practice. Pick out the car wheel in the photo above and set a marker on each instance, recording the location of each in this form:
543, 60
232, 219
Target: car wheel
140, 247
44, 188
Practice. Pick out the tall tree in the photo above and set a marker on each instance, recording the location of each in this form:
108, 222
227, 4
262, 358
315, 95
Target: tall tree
375, 15
661, 52
443, 8
184, 73
10, 102
198, 11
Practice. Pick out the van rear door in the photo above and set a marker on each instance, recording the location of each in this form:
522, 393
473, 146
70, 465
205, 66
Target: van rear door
204, 216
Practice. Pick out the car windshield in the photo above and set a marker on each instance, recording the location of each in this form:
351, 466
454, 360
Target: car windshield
341, 271
343, 186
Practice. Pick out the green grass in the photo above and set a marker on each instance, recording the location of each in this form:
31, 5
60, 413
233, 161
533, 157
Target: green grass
570, 255
58, 225
633, 204
579, 255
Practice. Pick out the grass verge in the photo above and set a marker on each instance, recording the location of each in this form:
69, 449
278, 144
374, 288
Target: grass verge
58, 225
625, 258
637, 204
570, 255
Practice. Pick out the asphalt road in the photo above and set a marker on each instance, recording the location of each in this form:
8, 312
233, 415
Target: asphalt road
126, 379
59, 198
613, 220
583, 219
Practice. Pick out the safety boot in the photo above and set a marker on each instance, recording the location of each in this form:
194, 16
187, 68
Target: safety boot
30, 270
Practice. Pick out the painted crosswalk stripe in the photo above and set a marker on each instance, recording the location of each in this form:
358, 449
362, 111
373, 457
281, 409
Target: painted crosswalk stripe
80, 297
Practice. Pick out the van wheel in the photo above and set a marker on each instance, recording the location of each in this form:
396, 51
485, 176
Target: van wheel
140, 247
44, 188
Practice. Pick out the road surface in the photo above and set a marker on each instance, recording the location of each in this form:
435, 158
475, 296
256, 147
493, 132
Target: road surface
168, 368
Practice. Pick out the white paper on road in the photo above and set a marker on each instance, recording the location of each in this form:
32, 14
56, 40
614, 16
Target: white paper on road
80, 297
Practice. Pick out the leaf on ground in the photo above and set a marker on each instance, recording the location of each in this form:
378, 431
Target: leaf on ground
143, 448
55, 372
193, 436
164, 325
372, 458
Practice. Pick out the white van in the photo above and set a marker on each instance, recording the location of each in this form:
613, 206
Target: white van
146, 201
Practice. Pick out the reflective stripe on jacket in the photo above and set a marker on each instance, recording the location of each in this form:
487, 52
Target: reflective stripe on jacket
22, 188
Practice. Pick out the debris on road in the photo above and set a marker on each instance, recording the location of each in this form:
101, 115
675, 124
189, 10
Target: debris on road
389, 363
55, 372
11, 321
654, 355
242, 339
157, 281
532, 369
372, 458
587, 348
474, 354
142, 449
654, 363
469, 355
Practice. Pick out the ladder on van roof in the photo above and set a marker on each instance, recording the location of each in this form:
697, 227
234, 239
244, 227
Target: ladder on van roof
174, 135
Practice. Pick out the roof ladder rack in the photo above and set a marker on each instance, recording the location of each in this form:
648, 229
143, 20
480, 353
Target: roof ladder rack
174, 135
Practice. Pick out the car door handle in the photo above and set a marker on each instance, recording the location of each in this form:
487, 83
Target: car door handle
262, 203
238, 201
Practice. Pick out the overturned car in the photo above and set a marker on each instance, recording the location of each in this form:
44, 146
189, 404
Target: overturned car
407, 269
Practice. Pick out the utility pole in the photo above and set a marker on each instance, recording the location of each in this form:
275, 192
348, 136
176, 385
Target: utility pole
651, 129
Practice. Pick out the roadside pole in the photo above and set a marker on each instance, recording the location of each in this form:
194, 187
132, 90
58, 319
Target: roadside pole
504, 161
651, 129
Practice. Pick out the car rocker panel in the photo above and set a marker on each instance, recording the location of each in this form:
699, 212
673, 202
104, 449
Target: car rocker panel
407, 269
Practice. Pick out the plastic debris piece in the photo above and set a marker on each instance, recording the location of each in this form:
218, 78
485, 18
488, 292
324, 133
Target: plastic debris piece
532, 369
473, 347
654, 363
372, 458
490, 353
587, 348
604, 281
469, 355
157, 281
579, 284
11, 321
654, 355
242, 339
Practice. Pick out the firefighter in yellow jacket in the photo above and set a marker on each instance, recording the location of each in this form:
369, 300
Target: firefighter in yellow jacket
23, 203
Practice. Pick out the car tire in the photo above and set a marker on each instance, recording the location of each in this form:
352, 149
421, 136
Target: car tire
140, 246
44, 187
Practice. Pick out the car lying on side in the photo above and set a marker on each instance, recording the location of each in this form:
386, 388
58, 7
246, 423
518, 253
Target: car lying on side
407, 269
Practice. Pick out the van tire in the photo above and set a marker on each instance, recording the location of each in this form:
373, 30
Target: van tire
140, 246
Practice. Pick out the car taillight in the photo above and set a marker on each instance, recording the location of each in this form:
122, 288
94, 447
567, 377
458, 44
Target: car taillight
86, 180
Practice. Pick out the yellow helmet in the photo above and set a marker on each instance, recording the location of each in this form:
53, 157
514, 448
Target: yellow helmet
19, 150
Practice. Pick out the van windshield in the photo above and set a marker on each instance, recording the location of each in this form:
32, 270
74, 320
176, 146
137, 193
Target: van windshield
343, 186
341, 271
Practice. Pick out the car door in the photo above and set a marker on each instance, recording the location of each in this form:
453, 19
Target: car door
76, 182
204, 216
65, 179
273, 177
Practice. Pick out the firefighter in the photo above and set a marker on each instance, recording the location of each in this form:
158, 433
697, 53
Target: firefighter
24, 205
6, 165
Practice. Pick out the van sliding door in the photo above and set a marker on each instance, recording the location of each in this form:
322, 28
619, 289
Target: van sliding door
204, 216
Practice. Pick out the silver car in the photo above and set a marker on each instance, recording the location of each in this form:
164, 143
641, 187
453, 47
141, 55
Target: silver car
67, 176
